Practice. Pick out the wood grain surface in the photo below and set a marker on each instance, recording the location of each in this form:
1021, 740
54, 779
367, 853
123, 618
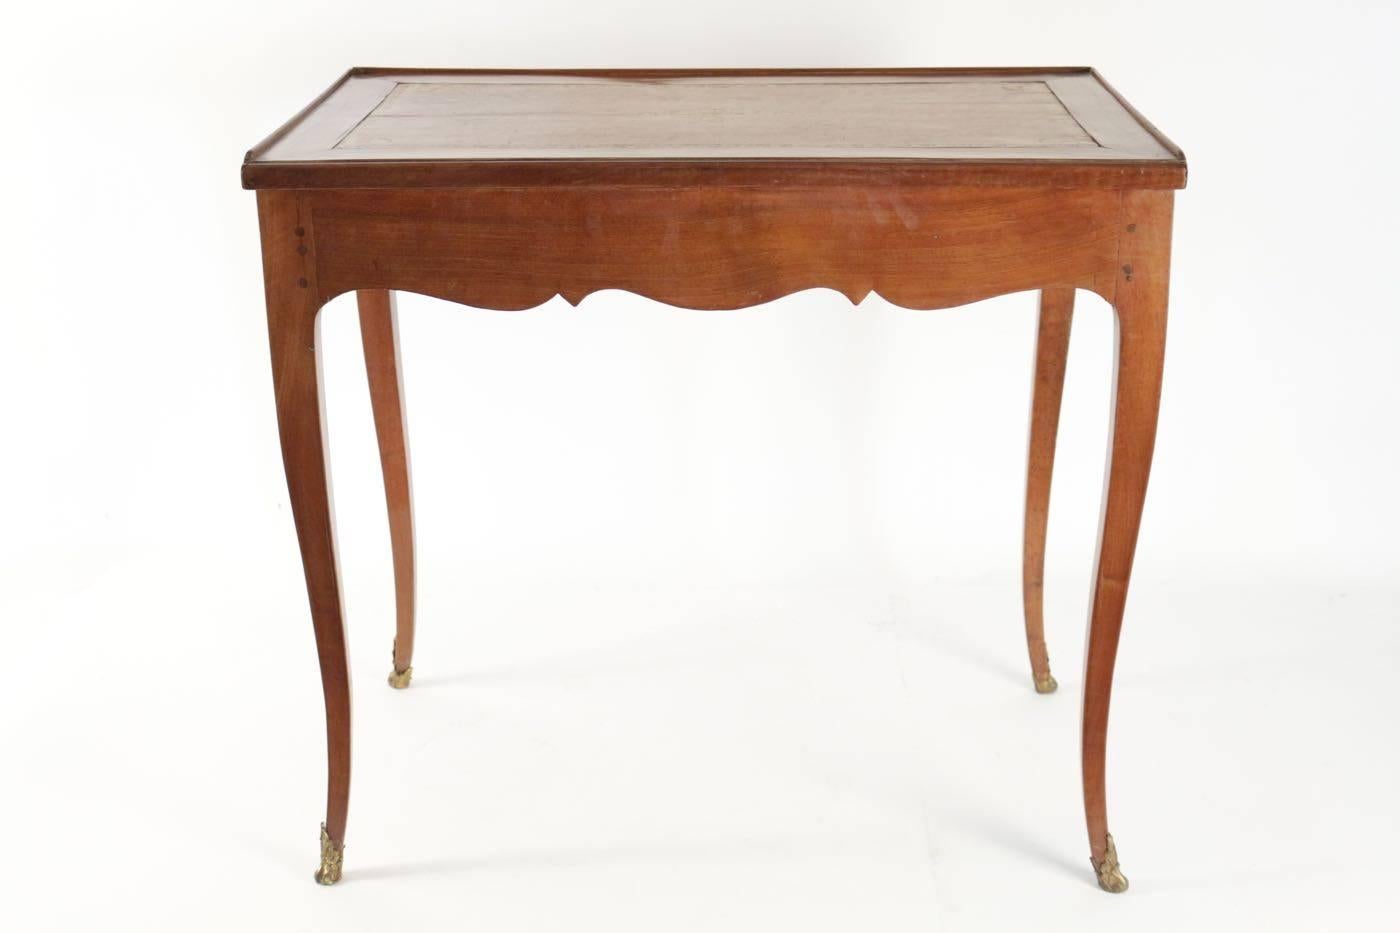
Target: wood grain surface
714, 248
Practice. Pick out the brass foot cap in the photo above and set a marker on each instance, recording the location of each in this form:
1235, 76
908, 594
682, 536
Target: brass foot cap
401, 679
1111, 877
1046, 683
332, 857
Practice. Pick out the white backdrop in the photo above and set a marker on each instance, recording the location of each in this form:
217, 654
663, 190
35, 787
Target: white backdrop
801, 490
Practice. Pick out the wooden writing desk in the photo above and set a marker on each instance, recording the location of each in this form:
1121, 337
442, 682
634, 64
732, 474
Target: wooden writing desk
717, 189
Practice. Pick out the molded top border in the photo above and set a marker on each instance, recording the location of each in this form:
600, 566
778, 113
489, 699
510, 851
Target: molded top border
1116, 147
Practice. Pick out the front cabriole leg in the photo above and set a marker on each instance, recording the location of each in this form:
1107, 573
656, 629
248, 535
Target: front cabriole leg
293, 300
1140, 306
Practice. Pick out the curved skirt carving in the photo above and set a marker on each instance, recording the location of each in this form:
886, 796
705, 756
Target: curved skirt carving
713, 248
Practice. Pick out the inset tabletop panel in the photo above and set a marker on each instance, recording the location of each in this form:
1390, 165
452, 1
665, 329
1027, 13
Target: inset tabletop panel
722, 119
452, 127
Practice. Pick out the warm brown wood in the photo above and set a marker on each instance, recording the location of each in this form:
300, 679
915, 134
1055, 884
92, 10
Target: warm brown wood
685, 173
379, 333
1140, 303
715, 248
1051, 349
289, 279
504, 189
449, 128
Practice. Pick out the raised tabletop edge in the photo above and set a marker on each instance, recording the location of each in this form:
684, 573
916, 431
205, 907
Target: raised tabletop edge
415, 170
287, 125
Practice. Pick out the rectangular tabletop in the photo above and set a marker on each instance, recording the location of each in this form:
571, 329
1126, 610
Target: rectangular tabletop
411, 128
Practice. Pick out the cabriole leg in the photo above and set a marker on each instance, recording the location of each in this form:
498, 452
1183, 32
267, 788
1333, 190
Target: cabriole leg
1141, 311
292, 306
379, 332
1051, 348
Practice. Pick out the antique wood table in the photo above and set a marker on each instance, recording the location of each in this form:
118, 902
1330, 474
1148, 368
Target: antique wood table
711, 190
